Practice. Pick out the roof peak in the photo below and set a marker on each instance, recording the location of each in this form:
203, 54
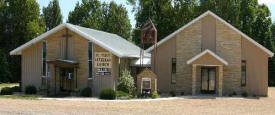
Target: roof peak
218, 18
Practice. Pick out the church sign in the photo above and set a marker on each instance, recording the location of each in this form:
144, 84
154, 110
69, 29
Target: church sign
103, 60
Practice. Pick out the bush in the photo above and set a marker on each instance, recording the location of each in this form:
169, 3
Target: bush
182, 93
245, 94
16, 89
232, 94
30, 89
86, 92
172, 93
6, 91
126, 82
155, 95
107, 94
121, 94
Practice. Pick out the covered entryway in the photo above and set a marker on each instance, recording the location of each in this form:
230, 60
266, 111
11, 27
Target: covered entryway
210, 75
65, 76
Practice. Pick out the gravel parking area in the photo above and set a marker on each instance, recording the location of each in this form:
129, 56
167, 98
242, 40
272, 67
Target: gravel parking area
202, 106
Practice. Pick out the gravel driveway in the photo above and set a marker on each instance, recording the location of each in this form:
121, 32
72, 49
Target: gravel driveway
221, 106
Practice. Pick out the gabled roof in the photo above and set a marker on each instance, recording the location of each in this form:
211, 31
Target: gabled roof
111, 42
218, 18
207, 51
144, 62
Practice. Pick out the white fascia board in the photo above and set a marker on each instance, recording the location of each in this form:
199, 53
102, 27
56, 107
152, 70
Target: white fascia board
211, 53
18, 50
271, 54
92, 39
176, 32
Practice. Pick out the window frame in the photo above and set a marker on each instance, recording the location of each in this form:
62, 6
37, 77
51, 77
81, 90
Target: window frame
44, 59
90, 59
243, 84
173, 70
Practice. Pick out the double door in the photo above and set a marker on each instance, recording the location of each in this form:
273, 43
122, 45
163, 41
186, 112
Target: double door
208, 80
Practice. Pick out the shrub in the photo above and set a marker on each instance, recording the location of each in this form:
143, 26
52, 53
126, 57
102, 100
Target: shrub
30, 89
172, 93
107, 94
232, 94
155, 95
16, 89
6, 91
245, 94
126, 82
121, 94
86, 92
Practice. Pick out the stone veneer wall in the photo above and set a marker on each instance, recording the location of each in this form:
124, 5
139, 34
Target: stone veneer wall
228, 46
188, 44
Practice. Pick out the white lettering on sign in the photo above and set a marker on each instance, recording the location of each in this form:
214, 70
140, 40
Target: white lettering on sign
103, 60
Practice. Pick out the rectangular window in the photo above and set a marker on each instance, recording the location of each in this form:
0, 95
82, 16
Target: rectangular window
44, 55
174, 65
243, 80
90, 59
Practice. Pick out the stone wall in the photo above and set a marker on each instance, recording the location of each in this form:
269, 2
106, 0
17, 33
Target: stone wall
188, 44
228, 46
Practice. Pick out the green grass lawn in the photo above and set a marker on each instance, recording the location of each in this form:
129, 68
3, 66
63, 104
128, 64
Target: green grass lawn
8, 84
2, 85
18, 97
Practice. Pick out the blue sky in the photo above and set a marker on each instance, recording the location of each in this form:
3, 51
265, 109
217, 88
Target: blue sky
68, 5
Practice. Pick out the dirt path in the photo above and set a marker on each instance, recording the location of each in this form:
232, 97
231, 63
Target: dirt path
225, 106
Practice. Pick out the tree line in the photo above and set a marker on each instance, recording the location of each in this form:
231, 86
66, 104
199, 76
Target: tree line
21, 21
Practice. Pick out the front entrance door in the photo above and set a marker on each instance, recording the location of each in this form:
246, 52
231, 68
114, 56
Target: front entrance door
66, 79
208, 80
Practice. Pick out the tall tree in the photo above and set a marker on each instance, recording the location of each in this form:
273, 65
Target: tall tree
271, 64
167, 15
110, 17
84, 10
19, 23
247, 15
52, 15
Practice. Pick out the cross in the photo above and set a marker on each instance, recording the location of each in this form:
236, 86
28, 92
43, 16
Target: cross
67, 36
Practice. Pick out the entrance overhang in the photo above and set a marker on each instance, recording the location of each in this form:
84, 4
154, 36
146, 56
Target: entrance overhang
207, 58
64, 63
210, 59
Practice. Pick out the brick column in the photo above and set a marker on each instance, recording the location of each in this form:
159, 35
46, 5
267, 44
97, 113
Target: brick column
194, 79
220, 82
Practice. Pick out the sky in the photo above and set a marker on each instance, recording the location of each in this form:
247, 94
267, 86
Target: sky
68, 5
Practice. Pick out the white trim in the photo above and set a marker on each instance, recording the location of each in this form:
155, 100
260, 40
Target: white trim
18, 50
271, 54
205, 52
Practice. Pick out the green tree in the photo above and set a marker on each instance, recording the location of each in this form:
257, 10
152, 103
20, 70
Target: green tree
19, 23
271, 64
52, 15
84, 10
110, 17
4, 69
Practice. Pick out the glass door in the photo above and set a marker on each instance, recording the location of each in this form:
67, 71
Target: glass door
66, 79
208, 80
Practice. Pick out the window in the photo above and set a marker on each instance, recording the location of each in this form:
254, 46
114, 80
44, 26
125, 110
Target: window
44, 55
146, 83
90, 59
173, 76
243, 80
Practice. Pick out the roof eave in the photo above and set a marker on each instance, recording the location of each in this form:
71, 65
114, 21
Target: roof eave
271, 54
